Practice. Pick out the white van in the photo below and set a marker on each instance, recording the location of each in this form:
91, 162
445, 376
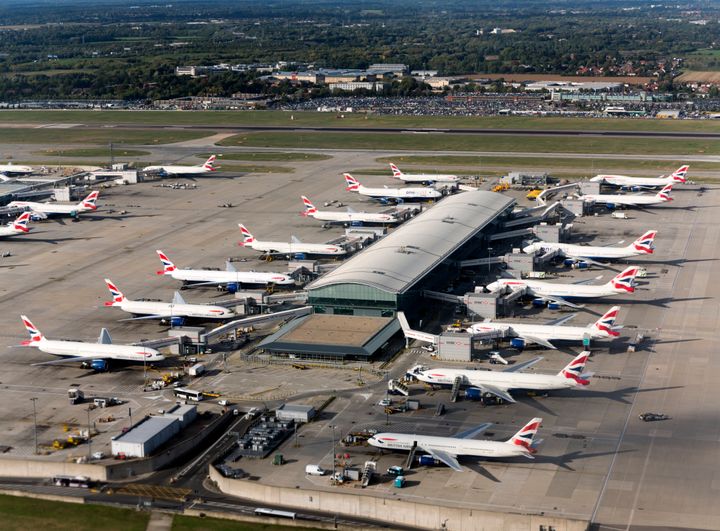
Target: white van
314, 470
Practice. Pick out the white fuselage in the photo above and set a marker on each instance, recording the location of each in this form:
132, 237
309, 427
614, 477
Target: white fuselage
11, 169
586, 251
624, 180
177, 170
499, 379
296, 248
50, 208
101, 350
169, 309
622, 199
547, 332
551, 289
351, 217
228, 277
451, 445
425, 178
400, 193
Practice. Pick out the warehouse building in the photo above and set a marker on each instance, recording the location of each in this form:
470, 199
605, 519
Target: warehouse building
423, 254
295, 412
148, 435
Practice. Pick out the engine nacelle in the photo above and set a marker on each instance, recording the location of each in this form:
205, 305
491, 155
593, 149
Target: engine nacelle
610, 206
569, 262
177, 321
233, 287
580, 265
518, 343
553, 306
99, 365
538, 303
300, 256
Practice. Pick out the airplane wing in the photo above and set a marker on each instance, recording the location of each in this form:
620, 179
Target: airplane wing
295, 239
70, 359
445, 457
540, 341
351, 210
501, 393
587, 280
524, 365
178, 299
585, 259
560, 300
472, 432
561, 320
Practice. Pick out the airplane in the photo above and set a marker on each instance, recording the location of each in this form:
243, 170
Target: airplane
422, 177
350, 216
499, 383
183, 170
19, 226
231, 277
176, 311
390, 194
94, 355
645, 244
447, 449
631, 200
523, 333
43, 210
293, 247
678, 176
12, 169
557, 293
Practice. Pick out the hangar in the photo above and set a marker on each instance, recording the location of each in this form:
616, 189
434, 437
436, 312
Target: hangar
391, 274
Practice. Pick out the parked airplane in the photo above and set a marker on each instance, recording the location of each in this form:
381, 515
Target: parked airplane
623, 282
645, 244
183, 170
391, 194
448, 449
231, 277
176, 311
523, 333
19, 226
499, 383
94, 355
43, 210
350, 216
678, 176
422, 177
631, 200
12, 169
293, 247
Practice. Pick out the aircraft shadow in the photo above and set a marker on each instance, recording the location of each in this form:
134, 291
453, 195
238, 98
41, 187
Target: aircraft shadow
481, 470
561, 461
619, 395
662, 303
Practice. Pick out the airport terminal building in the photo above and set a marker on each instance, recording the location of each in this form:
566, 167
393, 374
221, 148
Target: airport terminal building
392, 273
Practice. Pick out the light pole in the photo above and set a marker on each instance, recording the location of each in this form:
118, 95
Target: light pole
332, 427
89, 436
34, 399
490, 250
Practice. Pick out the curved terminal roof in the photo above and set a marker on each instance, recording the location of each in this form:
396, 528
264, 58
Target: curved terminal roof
408, 254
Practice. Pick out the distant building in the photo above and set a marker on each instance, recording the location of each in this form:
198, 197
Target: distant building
186, 70
393, 68
357, 85
424, 73
295, 412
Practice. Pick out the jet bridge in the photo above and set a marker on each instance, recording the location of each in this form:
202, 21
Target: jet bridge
232, 326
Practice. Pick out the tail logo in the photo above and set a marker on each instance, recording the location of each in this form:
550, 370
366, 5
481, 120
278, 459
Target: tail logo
396, 171
209, 163
645, 243
664, 194
168, 266
625, 281
352, 184
247, 237
89, 201
117, 295
35, 334
525, 436
309, 207
21, 223
680, 174
574, 369
606, 322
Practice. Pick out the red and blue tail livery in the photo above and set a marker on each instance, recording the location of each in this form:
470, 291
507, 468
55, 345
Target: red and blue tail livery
35, 334
606, 322
680, 175
646, 243
625, 281
309, 207
352, 183
21, 223
574, 369
117, 295
89, 201
247, 237
525, 436
168, 266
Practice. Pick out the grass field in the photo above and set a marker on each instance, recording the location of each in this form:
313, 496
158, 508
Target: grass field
23, 514
437, 163
267, 156
92, 152
95, 136
190, 523
307, 119
442, 142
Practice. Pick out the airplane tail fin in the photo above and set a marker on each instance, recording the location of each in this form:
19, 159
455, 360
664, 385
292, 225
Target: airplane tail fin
168, 266
645, 243
664, 194
247, 237
21, 223
208, 166
574, 369
396, 171
352, 183
679, 175
89, 202
525, 436
604, 325
309, 207
624, 281
35, 334
117, 295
